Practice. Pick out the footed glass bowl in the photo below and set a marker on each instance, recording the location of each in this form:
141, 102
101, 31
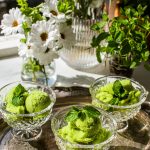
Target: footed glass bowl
58, 122
26, 127
120, 113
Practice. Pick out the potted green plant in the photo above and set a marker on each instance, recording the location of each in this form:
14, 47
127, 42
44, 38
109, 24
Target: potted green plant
125, 41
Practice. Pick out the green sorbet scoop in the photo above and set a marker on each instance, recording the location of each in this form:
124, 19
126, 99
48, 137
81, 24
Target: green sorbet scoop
37, 101
84, 127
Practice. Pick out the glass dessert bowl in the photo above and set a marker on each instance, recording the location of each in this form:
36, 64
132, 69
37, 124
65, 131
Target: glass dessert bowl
26, 106
78, 127
122, 101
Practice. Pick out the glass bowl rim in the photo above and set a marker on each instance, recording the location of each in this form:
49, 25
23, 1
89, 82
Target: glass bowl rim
86, 145
144, 94
53, 100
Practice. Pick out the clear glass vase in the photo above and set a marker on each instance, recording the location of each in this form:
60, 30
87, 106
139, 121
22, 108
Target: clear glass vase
82, 56
120, 65
33, 71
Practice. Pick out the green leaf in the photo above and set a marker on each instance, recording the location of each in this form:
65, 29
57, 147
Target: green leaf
66, 6
119, 36
141, 9
102, 36
82, 115
147, 54
113, 44
114, 101
134, 13
19, 96
23, 40
15, 101
122, 12
26, 27
128, 12
98, 26
33, 13
123, 21
125, 95
18, 101
33, 65
72, 115
133, 65
91, 111
105, 17
98, 54
126, 48
94, 42
19, 90
118, 88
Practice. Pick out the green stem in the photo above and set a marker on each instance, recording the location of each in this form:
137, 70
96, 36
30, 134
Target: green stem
147, 35
44, 71
34, 77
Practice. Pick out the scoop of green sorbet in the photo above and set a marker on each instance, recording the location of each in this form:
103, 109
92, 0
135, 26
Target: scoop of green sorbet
129, 96
84, 130
9, 96
37, 101
15, 109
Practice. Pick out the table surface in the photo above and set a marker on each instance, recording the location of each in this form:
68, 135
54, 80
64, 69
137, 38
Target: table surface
136, 137
10, 69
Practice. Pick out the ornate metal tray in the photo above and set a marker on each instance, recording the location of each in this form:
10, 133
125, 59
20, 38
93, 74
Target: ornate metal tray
136, 137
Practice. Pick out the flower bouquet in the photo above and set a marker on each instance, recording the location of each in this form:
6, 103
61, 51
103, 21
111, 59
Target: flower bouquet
44, 31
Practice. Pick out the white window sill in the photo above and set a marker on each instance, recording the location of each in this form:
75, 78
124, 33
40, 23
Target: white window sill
8, 45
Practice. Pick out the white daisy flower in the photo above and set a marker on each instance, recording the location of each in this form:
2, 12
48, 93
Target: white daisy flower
44, 35
50, 10
25, 49
67, 38
12, 22
96, 3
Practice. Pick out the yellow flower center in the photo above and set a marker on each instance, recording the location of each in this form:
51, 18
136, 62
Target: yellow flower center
44, 36
15, 23
54, 12
29, 47
62, 36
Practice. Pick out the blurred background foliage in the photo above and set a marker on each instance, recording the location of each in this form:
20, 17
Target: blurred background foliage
135, 3
5, 5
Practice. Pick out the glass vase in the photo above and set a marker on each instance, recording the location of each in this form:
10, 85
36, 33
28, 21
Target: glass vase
120, 65
82, 56
33, 71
